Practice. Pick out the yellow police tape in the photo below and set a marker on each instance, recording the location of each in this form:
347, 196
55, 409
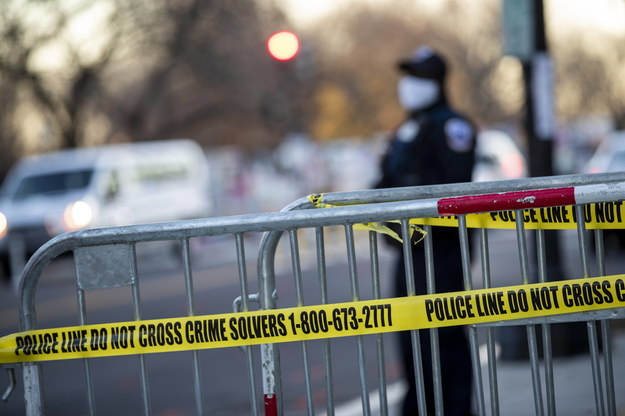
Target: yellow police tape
317, 201
315, 322
601, 215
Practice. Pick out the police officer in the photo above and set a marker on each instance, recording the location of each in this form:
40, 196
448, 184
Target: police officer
433, 145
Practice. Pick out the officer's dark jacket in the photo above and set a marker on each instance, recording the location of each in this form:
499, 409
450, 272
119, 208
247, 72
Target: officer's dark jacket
432, 146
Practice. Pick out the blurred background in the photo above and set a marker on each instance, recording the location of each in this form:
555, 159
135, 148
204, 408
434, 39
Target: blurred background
542, 80
78, 73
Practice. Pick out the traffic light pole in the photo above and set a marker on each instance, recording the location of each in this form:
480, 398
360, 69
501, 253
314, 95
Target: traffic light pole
539, 100
539, 123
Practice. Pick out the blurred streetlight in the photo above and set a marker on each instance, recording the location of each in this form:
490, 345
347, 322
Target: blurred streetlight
283, 45
279, 106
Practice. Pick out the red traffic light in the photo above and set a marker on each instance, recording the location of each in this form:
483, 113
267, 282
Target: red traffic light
283, 45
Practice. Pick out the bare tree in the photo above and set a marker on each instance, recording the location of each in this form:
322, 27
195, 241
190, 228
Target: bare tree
590, 77
156, 69
62, 97
151, 70
210, 76
8, 134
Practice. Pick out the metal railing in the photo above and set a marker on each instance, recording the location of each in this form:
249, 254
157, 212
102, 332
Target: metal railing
107, 258
604, 396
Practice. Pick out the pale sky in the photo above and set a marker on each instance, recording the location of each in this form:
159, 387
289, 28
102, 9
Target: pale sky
608, 15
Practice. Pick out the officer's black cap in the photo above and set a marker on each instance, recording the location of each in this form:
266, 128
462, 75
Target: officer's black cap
424, 63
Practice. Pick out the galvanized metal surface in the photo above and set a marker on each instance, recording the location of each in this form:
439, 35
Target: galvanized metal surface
111, 253
542, 388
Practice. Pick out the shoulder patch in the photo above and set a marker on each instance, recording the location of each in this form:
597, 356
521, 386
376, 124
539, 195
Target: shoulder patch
408, 131
459, 135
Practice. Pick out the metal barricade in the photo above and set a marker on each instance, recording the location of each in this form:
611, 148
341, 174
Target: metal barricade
543, 389
107, 259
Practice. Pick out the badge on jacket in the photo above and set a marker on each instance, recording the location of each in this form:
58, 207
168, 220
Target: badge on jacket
408, 131
459, 135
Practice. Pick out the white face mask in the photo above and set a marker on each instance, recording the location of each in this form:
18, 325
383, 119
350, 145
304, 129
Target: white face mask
417, 93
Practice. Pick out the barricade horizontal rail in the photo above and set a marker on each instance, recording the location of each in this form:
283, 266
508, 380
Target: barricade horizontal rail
107, 258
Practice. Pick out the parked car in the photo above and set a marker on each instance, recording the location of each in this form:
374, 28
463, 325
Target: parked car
497, 157
46, 195
610, 157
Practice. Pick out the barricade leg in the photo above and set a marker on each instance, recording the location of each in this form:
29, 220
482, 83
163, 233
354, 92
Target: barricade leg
188, 282
490, 338
86, 362
592, 332
244, 287
473, 341
145, 388
434, 341
546, 329
299, 291
353, 277
530, 329
414, 334
270, 355
33, 389
606, 329
323, 284
270, 364
375, 276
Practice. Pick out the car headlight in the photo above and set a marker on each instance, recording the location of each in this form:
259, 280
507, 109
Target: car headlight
4, 225
77, 215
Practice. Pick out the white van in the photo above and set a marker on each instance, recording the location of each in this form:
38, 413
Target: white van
145, 182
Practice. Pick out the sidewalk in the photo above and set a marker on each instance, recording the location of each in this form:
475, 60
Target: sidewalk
573, 383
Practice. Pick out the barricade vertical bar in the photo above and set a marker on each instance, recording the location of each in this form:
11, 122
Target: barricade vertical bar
270, 353
414, 334
353, 277
434, 341
82, 310
31, 372
377, 294
323, 283
136, 302
546, 329
473, 341
533, 352
272, 386
592, 331
581, 240
530, 329
606, 330
490, 339
188, 280
245, 305
33, 389
299, 290
11, 386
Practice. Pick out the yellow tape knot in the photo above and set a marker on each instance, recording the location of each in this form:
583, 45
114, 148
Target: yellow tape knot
317, 201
